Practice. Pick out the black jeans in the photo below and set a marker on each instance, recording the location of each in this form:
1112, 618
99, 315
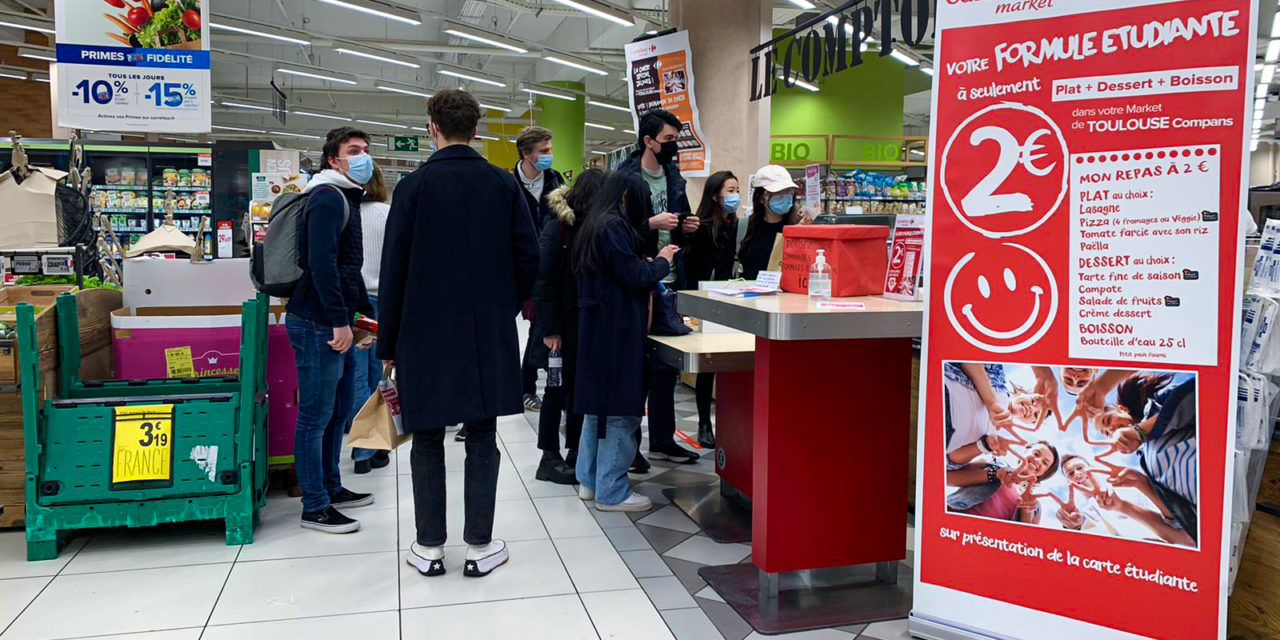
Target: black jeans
528, 369
706, 385
557, 400
662, 402
479, 486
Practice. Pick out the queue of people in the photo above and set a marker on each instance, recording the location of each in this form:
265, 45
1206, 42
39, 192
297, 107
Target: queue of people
461, 251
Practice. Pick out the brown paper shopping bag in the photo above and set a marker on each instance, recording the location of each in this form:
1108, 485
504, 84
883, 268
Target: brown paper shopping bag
376, 426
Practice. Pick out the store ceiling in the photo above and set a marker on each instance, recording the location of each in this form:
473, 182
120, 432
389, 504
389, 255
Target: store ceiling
355, 63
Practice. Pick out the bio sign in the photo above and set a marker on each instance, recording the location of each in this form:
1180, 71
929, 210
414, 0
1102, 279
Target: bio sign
833, 42
139, 68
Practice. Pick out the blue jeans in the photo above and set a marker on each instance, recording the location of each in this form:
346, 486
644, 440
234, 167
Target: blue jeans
368, 373
325, 380
603, 462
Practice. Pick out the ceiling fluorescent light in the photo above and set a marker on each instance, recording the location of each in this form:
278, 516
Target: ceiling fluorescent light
423, 129
606, 127
13, 76
1260, 103
904, 58
1273, 50
241, 105
326, 116
599, 153
296, 135
551, 94
928, 71
471, 77
404, 62
381, 9
384, 124
251, 29
37, 54
800, 83
608, 105
319, 74
576, 65
494, 107
408, 90
218, 126
630, 131
484, 37
1268, 74
803, 4
600, 11
40, 77
1262, 91
17, 22
484, 137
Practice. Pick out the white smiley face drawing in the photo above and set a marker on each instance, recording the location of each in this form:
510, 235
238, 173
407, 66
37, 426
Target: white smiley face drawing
985, 298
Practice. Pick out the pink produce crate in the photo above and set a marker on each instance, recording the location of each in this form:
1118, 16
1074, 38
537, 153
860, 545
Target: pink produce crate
141, 338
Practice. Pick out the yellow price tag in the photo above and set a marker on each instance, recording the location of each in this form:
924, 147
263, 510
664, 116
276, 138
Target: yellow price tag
142, 445
179, 362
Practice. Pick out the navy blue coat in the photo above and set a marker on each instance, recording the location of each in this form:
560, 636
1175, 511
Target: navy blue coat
460, 258
613, 325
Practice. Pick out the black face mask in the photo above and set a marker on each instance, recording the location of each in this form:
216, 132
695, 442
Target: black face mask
668, 152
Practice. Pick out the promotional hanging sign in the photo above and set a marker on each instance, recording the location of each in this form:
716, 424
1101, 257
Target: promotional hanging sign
660, 76
1078, 393
134, 68
905, 252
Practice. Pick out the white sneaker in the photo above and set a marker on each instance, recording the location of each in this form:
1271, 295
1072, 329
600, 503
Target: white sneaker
481, 561
586, 493
634, 502
429, 561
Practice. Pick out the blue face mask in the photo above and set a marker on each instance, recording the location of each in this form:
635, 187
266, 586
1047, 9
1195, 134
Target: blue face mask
544, 162
731, 202
781, 204
360, 168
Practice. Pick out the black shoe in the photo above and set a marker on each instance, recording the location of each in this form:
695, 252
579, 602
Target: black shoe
461, 435
674, 453
363, 467
532, 402
329, 520
350, 499
706, 437
639, 465
380, 459
553, 469
572, 459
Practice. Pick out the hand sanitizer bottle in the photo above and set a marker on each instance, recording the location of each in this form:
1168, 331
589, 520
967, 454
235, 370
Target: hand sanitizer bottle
820, 278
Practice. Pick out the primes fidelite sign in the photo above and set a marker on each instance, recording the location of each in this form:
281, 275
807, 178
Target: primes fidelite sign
833, 42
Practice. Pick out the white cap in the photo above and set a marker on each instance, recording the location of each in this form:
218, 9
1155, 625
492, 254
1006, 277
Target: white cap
774, 178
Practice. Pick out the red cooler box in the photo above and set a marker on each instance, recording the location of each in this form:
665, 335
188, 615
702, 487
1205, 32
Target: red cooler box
858, 255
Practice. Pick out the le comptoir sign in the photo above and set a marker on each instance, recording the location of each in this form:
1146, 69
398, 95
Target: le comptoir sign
833, 41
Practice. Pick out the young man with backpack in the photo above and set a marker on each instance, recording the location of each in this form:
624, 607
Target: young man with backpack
460, 259
321, 308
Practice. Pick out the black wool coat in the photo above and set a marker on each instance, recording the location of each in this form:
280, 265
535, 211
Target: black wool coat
555, 293
460, 258
613, 321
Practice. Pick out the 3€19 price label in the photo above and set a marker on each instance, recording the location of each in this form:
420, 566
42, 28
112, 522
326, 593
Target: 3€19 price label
142, 444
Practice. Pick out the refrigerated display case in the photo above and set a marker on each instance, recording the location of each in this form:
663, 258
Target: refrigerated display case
130, 183
40, 152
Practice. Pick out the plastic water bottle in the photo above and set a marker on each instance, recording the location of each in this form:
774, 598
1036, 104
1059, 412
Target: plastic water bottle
820, 278
555, 365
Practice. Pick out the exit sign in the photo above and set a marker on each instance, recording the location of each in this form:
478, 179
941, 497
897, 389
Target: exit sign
405, 143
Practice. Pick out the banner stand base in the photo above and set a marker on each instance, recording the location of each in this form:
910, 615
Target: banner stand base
817, 603
932, 630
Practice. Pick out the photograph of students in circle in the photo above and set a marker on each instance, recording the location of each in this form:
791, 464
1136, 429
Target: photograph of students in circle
1107, 452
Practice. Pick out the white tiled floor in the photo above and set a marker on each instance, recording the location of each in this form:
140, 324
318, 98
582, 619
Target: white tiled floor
574, 573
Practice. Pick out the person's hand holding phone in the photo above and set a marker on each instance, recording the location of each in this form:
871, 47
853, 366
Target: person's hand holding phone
664, 222
342, 339
669, 252
691, 224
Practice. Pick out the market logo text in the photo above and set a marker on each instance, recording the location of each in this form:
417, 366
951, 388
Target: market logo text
833, 42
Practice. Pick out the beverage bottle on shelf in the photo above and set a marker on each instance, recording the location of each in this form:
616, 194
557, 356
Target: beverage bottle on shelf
820, 278
555, 369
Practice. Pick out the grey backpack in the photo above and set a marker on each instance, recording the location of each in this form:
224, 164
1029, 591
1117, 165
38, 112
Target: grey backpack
275, 267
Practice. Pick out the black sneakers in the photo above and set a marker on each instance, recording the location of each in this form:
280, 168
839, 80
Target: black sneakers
350, 499
380, 459
363, 467
532, 402
329, 520
706, 436
552, 469
639, 465
674, 453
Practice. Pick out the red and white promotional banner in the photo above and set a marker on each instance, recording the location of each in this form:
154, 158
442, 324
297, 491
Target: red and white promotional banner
1083, 256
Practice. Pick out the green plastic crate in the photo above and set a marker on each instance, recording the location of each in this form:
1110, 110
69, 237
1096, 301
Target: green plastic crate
208, 462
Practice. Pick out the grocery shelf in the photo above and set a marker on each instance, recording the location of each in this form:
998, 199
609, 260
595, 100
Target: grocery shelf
120, 210
121, 187
163, 188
